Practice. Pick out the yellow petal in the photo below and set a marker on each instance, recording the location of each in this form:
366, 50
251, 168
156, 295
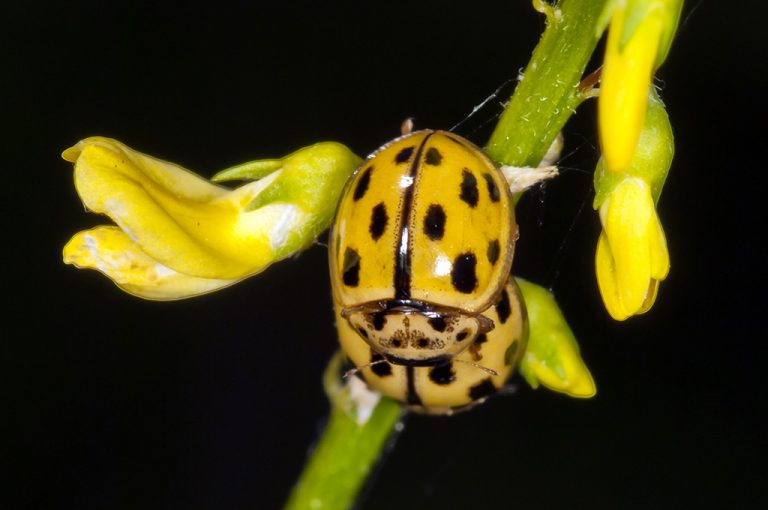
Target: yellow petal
627, 222
624, 87
658, 250
606, 280
177, 218
110, 251
659, 263
632, 256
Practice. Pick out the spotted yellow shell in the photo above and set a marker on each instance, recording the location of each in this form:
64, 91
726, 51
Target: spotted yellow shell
420, 255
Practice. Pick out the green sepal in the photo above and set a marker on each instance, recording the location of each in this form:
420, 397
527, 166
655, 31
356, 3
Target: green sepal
652, 158
552, 357
672, 20
605, 17
249, 171
312, 178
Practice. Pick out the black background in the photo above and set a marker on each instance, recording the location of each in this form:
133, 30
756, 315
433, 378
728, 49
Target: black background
114, 402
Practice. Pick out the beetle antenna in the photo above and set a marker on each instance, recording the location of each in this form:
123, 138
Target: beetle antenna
481, 367
355, 370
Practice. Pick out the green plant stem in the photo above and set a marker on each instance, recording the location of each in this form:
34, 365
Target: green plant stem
343, 459
548, 91
347, 451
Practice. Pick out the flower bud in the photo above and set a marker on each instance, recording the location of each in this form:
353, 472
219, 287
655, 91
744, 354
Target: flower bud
552, 355
639, 38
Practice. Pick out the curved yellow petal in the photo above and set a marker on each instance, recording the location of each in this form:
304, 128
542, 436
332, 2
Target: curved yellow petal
658, 250
176, 217
659, 263
110, 251
606, 280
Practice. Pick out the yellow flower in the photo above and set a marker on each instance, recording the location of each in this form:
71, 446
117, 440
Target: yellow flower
180, 235
639, 37
632, 255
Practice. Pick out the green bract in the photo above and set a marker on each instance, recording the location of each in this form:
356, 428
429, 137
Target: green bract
312, 177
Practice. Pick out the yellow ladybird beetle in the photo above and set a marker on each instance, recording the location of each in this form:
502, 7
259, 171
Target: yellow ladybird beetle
420, 255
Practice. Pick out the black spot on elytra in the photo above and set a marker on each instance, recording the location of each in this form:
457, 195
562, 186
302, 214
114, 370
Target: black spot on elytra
494, 248
462, 335
482, 389
379, 220
434, 222
422, 343
469, 192
378, 321
433, 157
463, 275
474, 349
404, 155
503, 308
397, 343
351, 268
443, 374
493, 190
381, 368
362, 184
363, 332
437, 323
509, 354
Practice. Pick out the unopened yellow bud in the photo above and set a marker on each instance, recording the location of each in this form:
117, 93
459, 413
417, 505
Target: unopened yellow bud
632, 255
639, 38
626, 79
